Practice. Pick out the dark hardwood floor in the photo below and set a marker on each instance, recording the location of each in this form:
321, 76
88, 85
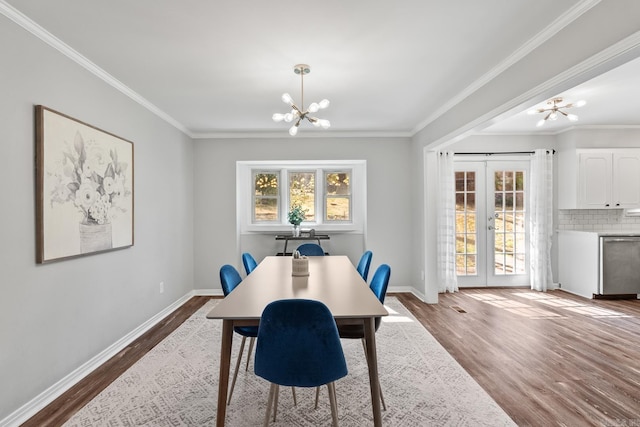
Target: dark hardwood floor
548, 359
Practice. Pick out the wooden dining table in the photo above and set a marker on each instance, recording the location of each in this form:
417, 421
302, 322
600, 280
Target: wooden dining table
332, 280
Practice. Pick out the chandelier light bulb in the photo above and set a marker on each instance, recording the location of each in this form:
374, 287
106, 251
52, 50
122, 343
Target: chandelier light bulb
286, 98
324, 104
580, 103
277, 117
325, 124
314, 107
288, 117
553, 116
572, 117
294, 130
540, 123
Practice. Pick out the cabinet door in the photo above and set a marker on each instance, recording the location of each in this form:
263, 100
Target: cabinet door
626, 180
595, 180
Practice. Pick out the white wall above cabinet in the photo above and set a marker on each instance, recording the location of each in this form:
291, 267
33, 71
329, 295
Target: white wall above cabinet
599, 179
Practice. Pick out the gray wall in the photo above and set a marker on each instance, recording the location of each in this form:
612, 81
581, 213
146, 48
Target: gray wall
55, 317
390, 219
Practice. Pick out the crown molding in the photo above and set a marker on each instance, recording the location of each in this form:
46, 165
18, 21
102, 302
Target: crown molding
302, 135
551, 30
44, 35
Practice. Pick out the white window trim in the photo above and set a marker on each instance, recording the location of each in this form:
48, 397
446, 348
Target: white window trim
244, 195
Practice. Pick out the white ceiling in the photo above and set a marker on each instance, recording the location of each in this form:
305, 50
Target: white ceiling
217, 67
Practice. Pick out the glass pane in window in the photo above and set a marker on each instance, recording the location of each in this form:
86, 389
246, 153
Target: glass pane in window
498, 181
338, 196
471, 181
519, 180
459, 181
471, 201
471, 265
302, 192
266, 197
338, 209
459, 201
266, 184
338, 184
266, 209
471, 223
508, 181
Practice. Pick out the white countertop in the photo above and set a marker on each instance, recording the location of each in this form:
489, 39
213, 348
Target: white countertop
604, 233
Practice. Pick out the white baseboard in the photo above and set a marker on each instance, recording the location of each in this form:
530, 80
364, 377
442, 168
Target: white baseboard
36, 404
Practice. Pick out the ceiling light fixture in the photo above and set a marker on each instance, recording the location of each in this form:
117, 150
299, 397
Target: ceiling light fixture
554, 109
298, 114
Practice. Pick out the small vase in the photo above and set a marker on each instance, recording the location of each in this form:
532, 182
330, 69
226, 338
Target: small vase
95, 237
296, 230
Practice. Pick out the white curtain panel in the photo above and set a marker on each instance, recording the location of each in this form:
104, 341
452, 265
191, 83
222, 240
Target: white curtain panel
541, 219
446, 217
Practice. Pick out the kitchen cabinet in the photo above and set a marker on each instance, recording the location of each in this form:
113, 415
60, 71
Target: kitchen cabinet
578, 262
599, 179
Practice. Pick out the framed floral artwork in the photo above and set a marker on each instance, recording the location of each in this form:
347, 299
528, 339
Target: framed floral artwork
84, 188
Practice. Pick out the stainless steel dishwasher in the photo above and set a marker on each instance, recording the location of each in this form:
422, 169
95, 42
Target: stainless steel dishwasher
619, 265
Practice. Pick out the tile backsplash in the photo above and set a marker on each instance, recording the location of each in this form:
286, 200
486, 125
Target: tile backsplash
597, 219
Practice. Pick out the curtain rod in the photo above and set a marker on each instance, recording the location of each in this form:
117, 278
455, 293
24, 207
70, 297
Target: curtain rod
498, 153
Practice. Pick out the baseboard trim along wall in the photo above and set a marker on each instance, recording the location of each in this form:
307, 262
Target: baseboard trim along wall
32, 407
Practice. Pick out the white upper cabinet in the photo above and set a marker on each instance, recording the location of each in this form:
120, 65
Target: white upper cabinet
599, 179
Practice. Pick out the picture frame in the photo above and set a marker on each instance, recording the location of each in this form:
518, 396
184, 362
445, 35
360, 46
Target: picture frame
84, 188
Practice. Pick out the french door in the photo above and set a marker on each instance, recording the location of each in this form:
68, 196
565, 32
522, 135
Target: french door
492, 236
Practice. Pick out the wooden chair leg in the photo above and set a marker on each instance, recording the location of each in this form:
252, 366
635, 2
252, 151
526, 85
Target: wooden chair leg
295, 400
251, 343
331, 387
275, 402
272, 391
235, 371
317, 396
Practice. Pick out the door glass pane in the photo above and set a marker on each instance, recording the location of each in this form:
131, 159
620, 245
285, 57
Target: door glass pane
466, 248
509, 235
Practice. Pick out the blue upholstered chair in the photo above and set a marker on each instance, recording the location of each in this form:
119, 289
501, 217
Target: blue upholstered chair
298, 345
310, 249
229, 279
378, 286
249, 262
363, 265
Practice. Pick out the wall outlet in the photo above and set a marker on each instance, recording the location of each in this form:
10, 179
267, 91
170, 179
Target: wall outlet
161, 287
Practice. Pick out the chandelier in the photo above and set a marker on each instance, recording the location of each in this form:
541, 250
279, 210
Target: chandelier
555, 109
298, 114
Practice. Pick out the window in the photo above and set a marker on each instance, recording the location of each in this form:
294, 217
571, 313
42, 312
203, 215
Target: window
324, 190
337, 196
266, 200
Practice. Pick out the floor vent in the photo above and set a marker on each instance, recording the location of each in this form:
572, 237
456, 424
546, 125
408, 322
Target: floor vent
458, 309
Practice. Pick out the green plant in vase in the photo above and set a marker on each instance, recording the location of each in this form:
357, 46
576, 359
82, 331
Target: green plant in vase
296, 216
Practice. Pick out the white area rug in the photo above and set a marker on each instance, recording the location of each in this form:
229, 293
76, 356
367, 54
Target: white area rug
176, 384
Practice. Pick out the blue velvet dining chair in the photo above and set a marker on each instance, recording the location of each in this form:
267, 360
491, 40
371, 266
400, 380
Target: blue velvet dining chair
229, 279
379, 285
298, 345
310, 249
363, 265
249, 262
